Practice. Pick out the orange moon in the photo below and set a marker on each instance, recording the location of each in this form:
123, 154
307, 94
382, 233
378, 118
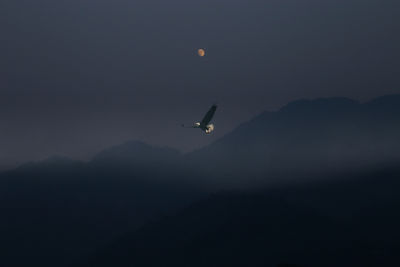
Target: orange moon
201, 52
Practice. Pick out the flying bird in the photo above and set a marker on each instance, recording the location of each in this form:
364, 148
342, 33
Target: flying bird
204, 124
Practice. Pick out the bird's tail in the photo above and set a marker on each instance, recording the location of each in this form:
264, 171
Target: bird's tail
187, 126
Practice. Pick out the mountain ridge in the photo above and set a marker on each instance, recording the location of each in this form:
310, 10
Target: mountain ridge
329, 131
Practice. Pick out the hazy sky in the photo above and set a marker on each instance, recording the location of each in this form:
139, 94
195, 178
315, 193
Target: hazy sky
77, 76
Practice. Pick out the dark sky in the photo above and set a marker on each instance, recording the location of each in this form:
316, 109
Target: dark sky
77, 76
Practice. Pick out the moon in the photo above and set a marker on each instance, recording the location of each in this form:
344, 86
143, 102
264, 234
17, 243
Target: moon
201, 52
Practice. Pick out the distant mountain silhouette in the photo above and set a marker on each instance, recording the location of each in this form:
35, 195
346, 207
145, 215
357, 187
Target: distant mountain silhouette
307, 137
57, 209
54, 163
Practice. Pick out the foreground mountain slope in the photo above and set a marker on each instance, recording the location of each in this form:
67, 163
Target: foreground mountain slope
347, 223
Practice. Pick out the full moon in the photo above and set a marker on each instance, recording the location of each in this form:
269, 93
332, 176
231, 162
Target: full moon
201, 52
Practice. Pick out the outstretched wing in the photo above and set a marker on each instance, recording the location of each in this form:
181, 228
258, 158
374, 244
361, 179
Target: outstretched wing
207, 118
